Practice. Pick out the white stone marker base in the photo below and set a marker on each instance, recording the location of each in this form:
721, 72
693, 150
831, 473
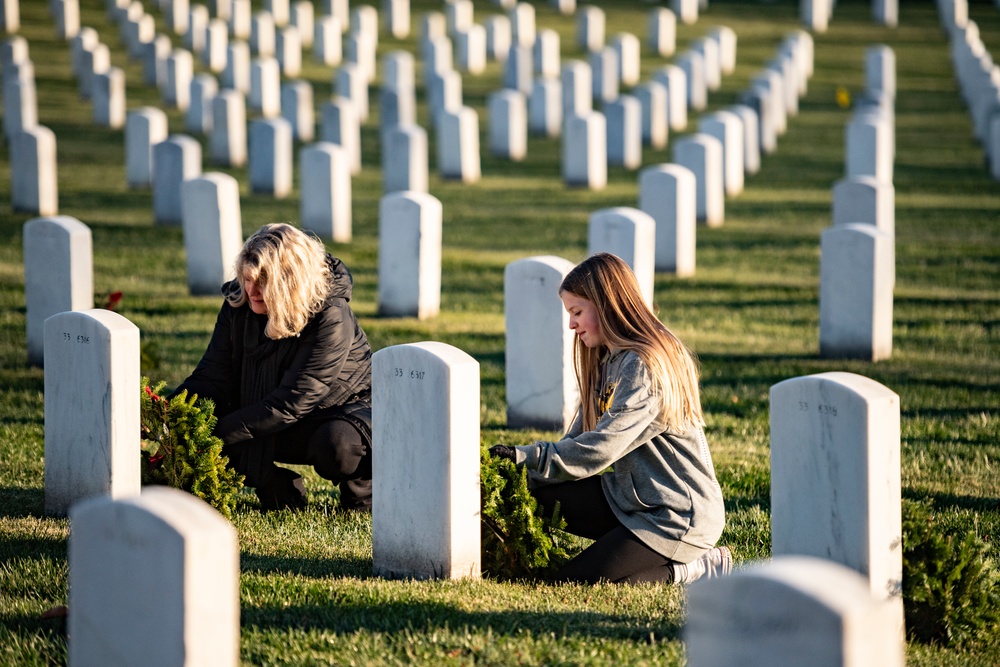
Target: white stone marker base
91, 407
154, 580
426, 506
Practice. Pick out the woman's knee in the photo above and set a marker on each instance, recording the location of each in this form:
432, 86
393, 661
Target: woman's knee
339, 452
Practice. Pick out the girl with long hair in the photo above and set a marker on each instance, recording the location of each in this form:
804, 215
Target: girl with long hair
633, 472
289, 369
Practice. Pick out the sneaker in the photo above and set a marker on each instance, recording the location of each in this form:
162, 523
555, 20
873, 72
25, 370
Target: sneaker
716, 563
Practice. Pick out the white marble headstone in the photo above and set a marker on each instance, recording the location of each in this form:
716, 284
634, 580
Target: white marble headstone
702, 154
328, 43
789, 611
590, 28
270, 160
604, 74
631, 235
213, 234
91, 407
458, 145
667, 192
728, 129
498, 38
425, 508
58, 274
339, 124
236, 74
145, 127
577, 87
508, 130
180, 70
835, 478
34, 183
198, 118
154, 579
661, 29
652, 96
325, 204
109, 98
751, 138
265, 87
541, 386
470, 49
675, 81
404, 159
623, 117
546, 53
545, 108
396, 14
174, 161
409, 258
865, 199
227, 144
855, 292
585, 151
297, 109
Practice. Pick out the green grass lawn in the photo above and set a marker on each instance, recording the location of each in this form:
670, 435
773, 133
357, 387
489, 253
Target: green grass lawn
750, 313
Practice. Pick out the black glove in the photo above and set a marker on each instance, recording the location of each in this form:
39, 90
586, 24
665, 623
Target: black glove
504, 452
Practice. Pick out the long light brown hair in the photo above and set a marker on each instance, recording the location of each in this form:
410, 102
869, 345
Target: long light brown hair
289, 266
628, 323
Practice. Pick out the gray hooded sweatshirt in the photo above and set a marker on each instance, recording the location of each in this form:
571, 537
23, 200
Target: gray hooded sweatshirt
662, 486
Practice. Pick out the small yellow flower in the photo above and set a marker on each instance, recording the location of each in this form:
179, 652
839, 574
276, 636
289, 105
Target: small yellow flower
843, 97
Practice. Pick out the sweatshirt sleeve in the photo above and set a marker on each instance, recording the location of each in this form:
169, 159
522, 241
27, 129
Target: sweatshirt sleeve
631, 421
308, 379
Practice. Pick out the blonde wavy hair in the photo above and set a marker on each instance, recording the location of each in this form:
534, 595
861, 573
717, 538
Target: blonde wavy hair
628, 323
289, 266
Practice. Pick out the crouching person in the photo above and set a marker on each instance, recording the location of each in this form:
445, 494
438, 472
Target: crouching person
289, 369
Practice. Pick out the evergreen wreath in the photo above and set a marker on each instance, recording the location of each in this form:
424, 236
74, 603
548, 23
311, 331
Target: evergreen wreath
179, 450
517, 541
951, 589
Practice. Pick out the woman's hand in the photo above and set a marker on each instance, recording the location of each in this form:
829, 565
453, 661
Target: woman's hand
504, 452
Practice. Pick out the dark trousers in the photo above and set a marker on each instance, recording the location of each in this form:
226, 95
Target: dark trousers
616, 554
333, 445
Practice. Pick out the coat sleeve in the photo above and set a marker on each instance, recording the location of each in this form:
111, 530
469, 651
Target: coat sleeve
214, 377
630, 422
314, 370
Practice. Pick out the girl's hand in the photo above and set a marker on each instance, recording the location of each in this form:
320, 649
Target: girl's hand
504, 452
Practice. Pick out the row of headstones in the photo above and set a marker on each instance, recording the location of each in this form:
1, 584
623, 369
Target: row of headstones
846, 511
978, 78
91, 63
857, 252
816, 14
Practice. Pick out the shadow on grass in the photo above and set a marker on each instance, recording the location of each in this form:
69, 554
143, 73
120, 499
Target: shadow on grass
21, 503
399, 616
319, 568
954, 501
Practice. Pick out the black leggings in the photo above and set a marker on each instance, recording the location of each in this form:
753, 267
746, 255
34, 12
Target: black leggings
333, 446
616, 555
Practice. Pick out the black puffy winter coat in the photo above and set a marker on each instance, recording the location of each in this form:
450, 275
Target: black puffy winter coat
262, 386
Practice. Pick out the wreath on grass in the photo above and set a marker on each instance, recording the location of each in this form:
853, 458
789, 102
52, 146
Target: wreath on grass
518, 541
179, 450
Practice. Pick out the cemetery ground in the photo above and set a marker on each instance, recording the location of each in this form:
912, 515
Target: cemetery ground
750, 313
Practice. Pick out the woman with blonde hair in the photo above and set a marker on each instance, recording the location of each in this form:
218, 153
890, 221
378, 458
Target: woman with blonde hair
289, 369
657, 514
